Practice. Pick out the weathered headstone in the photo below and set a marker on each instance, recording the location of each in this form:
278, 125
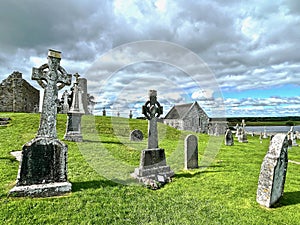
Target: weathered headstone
229, 138
153, 166
260, 137
191, 152
265, 133
210, 129
237, 127
242, 137
65, 105
273, 172
82, 84
4, 121
43, 166
297, 134
292, 136
136, 135
216, 130
73, 128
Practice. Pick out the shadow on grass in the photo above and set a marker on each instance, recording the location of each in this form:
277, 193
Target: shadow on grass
103, 142
92, 184
290, 198
190, 174
10, 158
91, 141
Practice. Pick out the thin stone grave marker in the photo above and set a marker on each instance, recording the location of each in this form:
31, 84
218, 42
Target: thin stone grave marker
191, 152
273, 172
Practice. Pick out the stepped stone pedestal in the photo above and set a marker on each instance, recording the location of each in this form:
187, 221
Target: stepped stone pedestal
153, 166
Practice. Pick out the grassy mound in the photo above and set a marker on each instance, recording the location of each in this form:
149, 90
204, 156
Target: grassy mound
103, 193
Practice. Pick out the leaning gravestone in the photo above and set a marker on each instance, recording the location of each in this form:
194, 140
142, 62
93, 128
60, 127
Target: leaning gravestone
153, 168
136, 135
191, 152
43, 165
229, 138
73, 128
273, 172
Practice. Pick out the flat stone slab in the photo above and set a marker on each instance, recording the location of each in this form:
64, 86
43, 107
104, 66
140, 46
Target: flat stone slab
41, 190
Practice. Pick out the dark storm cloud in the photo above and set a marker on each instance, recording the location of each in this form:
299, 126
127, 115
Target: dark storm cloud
247, 44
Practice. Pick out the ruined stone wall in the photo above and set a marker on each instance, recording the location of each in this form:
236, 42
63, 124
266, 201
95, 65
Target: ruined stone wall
176, 123
17, 95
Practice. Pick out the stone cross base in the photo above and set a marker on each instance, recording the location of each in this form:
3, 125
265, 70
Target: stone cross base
243, 138
153, 167
41, 190
73, 130
73, 136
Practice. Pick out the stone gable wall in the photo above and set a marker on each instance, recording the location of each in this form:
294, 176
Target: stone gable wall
17, 95
196, 120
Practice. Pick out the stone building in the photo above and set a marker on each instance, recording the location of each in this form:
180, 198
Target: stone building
192, 117
188, 117
17, 95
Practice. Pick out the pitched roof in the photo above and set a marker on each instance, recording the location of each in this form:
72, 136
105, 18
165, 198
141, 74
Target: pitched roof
179, 111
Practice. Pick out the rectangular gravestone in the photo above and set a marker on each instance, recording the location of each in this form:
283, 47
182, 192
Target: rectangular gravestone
191, 152
273, 172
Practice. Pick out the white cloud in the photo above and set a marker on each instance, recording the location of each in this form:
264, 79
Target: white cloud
246, 44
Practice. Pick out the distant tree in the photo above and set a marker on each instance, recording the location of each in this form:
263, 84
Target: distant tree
289, 123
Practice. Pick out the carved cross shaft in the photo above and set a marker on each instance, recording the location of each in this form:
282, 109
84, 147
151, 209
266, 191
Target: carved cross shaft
52, 77
152, 110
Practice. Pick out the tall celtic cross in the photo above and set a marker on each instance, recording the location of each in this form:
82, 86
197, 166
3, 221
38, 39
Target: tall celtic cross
152, 110
51, 77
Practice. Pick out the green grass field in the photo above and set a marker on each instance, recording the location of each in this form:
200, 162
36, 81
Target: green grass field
222, 191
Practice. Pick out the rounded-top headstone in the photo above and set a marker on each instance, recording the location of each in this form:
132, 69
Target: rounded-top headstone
136, 135
191, 152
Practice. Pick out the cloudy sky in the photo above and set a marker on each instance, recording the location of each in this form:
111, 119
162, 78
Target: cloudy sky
235, 57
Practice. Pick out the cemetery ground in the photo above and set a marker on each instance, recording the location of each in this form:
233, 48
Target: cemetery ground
223, 193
